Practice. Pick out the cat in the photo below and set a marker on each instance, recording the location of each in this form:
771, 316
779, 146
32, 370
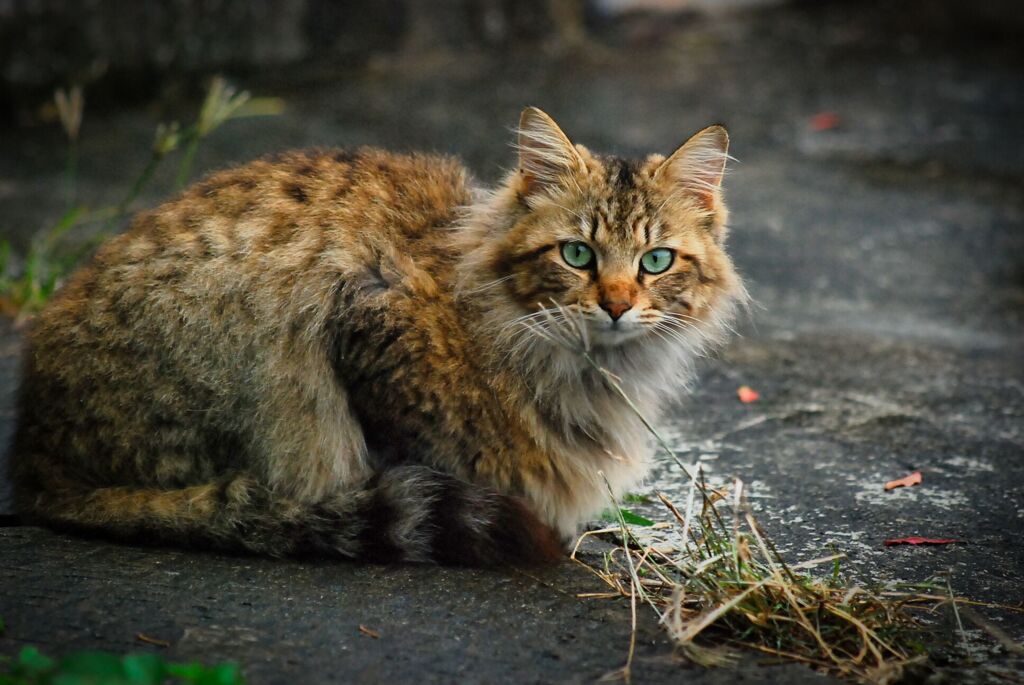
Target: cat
363, 355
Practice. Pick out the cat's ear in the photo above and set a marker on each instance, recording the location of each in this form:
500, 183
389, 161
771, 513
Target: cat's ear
547, 157
698, 165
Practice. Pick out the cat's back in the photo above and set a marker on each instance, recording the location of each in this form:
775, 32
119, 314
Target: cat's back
275, 228
254, 252
330, 198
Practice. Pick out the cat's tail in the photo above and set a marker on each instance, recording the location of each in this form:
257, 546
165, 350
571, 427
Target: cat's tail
405, 514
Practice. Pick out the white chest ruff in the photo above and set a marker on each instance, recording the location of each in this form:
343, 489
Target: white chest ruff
596, 440
594, 473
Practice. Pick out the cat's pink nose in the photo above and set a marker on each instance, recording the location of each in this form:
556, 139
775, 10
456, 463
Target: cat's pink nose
616, 296
616, 309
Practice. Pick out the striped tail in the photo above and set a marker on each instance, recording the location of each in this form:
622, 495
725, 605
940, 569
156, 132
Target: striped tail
410, 514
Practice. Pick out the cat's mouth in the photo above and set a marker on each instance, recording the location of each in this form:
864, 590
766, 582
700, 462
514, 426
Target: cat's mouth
608, 333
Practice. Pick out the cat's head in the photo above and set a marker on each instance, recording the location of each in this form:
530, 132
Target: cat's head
631, 250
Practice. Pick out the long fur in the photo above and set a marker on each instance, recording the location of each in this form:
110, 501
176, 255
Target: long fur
363, 355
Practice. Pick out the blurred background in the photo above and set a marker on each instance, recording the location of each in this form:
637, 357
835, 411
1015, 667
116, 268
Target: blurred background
832, 107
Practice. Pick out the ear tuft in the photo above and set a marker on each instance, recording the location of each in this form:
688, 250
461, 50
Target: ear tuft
698, 165
546, 155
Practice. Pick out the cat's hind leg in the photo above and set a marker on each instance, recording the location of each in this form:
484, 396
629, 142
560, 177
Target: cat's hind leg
308, 442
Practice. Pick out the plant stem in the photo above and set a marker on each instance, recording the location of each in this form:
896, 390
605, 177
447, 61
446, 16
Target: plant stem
959, 622
185, 169
140, 183
71, 174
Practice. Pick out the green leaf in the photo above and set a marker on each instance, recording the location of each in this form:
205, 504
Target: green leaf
222, 674
32, 662
85, 679
144, 669
97, 665
635, 519
188, 672
627, 516
634, 498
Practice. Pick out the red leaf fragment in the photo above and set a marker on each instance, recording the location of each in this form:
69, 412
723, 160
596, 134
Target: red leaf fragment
747, 394
905, 482
142, 637
369, 632
824, 121
914, 540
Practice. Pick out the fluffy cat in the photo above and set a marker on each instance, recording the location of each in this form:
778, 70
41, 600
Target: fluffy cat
360, 354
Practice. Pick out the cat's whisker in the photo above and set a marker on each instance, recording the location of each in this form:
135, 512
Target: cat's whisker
689, 337
691, 322
487, 286
679, 315
725, 324
515, 324
654, 330
575, 321
666, 330
520, 323
544, 324
552, 333
682, 326
521, 347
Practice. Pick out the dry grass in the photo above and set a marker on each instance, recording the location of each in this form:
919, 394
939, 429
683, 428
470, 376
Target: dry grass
717, 582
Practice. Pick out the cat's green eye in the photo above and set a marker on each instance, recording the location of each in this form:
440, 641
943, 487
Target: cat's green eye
657, 260
577, 254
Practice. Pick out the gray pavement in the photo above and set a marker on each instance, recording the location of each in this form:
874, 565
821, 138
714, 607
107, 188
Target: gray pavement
886, 257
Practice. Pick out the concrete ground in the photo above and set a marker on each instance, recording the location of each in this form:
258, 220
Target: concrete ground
886, 257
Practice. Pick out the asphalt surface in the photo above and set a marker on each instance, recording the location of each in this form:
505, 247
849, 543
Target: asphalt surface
886, 258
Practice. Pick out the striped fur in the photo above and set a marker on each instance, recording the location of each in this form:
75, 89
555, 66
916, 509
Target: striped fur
324, 353
407, 514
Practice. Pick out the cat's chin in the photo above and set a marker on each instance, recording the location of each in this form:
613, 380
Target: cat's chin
610, 336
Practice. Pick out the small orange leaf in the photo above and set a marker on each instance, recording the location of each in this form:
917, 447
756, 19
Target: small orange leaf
747, 394
824, 121
905, 482
369, 632
914, 540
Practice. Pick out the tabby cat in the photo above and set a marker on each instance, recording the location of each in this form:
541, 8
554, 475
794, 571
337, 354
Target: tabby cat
361, 354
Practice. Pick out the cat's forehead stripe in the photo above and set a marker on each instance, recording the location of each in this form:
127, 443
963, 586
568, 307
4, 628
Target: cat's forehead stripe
621, 174
624, 211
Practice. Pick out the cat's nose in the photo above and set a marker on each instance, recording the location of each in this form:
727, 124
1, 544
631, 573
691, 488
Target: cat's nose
616, 309
616, 296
